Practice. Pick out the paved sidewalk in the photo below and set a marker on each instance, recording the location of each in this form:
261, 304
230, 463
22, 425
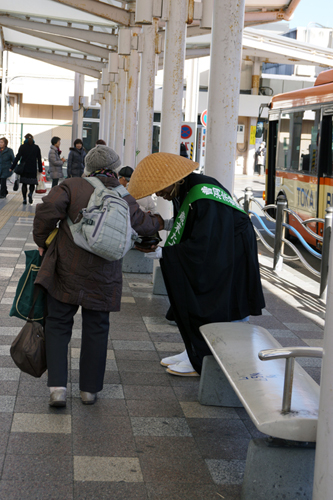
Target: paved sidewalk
147, 437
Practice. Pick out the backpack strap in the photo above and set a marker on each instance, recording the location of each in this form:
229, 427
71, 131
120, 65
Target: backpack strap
96, 183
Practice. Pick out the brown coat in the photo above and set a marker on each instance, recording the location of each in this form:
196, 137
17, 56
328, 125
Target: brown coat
69, 273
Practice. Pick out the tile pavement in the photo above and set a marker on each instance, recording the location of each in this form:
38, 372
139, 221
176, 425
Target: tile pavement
147, 437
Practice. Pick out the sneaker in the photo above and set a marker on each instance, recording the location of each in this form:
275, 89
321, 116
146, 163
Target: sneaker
30, 199
182, 369
24, 201
58, 397
88, 398
172, 360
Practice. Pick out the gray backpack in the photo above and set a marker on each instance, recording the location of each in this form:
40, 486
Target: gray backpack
105, 227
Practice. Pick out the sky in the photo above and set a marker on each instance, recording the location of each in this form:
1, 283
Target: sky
313, 11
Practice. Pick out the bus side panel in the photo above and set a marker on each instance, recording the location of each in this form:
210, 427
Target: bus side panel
301, 193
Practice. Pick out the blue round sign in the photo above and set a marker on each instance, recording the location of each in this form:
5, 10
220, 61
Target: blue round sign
203, 118
186, 131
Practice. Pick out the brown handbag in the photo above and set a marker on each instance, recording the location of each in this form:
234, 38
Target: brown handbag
28, 349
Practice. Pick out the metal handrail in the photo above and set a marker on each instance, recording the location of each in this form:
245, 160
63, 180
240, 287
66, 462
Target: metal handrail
279, 240
299, 257
289, 354
305, 222
304, 243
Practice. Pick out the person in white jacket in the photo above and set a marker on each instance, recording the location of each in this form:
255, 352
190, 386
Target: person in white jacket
146, 204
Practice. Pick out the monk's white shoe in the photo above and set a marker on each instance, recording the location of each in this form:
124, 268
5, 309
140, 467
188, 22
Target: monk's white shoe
182, 369
172, 360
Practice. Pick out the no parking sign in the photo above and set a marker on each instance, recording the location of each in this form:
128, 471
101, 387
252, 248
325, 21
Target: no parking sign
187, 137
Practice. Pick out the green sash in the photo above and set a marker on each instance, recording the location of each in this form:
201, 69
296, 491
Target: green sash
200, 191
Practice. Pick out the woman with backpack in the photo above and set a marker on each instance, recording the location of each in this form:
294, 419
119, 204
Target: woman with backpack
28, 155
75, 161
74, 277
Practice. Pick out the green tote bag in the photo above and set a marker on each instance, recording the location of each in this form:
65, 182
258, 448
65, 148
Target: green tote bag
25, 290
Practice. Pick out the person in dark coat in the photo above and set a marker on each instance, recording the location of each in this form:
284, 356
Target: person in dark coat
74, 277
29, 153
56, 161
6, 159
75, 161
211, 269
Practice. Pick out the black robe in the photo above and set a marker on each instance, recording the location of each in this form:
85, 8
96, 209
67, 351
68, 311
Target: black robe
212, 275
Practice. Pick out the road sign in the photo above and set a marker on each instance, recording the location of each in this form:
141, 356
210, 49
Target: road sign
203, 118
186, 131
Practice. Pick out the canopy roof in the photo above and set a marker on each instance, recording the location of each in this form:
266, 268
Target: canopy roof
79, 35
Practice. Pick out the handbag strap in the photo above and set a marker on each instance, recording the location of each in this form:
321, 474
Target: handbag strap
37, 289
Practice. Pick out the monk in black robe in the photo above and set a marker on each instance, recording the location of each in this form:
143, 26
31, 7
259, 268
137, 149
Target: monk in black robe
212, 274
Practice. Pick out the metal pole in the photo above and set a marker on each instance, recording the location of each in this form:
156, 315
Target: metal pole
77, 108
147, 90
223, 94
131, 109
120, 122
173, 76
248, 195
279, 232
325, 252
288, 385
323, 475
113, 113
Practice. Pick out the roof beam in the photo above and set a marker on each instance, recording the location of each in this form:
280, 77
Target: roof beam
82, 66
46, 27
100, 9
84, 47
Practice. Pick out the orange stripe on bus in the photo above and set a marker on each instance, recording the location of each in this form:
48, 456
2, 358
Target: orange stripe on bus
298, 177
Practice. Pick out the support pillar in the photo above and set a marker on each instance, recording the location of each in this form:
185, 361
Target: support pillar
147, 90
101, 117
223, 95
131, 109
255, 76
120, 122
77, 107
3, 90
107, 120
113, 114
323, 476
192, 91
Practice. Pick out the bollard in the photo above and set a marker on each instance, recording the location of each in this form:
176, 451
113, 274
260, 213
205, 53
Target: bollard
279, 232
325, 252
247, 199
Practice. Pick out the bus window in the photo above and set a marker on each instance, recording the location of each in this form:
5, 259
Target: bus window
326, 147
298, 141
309, 142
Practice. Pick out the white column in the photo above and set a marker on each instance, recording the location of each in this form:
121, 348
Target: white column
131, 109
323, 476
192, 91
3, 90
77, 108
107, 124
173, 82
223, 90
101, 118
113, 114
255, 76
173, 76
120, 122
147, 90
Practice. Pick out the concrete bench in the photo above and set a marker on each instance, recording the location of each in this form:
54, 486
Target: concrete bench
281, 399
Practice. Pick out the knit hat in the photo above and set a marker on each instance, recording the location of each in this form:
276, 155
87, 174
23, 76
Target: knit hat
158, 171
101, 157
126, 172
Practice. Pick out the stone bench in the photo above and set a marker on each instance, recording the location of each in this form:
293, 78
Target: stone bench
281, 399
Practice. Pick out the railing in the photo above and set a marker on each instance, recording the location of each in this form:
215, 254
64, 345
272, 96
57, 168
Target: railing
281, 211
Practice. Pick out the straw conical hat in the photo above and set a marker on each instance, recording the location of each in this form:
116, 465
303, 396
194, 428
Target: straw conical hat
158, 171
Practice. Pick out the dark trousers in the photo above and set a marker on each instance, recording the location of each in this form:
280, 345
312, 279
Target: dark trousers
55, 182
58, 332
25, 189
3, 187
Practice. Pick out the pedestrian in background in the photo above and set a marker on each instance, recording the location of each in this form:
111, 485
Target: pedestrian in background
146, 204
6, 159
100, 142
29, 154
75, 161
55, 161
